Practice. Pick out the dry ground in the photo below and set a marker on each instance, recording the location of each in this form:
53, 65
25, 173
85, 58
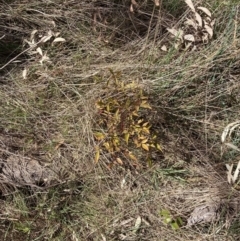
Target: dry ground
51, 186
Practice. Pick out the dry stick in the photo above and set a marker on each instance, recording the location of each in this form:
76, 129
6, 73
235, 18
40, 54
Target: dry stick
158, 23
10, 61
147, 37
206, 119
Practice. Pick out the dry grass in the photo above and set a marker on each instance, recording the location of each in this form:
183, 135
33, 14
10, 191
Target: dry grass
49, 116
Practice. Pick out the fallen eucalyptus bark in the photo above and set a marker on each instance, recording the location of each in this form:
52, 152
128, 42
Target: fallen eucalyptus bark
213, 211
21, 171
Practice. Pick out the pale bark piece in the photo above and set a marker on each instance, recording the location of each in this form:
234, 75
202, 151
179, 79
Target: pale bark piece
189, 37
20, 171
203, 214
190, 4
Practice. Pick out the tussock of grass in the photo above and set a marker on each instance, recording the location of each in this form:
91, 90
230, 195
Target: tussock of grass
50, 114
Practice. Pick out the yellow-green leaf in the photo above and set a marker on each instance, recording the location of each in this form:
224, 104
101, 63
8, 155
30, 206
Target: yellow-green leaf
126, 137
127, 104
132, 156
136, 109
108, 107
145, 147
115, 141
106, 145
146, 130
99, 104
116, 115
97, 155
145, 124
145, 104
149, 162
144, 97
141, 137
131, 85
115, 103
166, 216
122, 85
119, 161
134, 113
144, 141
117, 148
136, 142
174, 225
158, 147
99, 136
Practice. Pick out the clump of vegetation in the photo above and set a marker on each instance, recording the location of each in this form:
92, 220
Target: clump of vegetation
122, 123
175, 223
173, 86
